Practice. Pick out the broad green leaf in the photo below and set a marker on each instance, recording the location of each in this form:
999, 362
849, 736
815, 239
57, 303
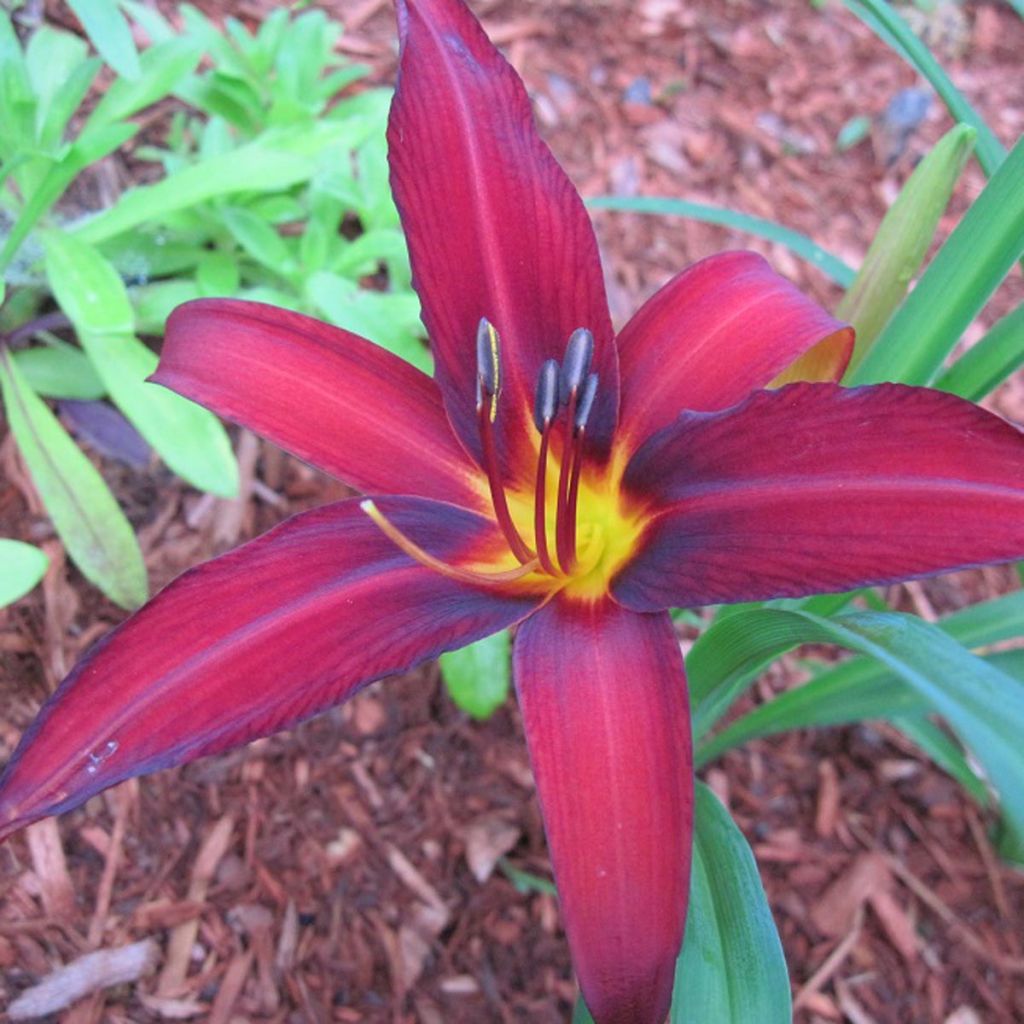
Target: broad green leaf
59, 370
988, 363
983, 706
86, 286
108, 30
276, 160
85, 514
731, 969
797, 243
21, 567
390, 319
154, 302
217, 274
950, 293
902, 240
66, 101
477, 677
882, 19
51, 58
163, 66
60, 175
259, 239
189, 438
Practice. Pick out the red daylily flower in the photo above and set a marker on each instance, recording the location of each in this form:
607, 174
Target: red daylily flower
577, 492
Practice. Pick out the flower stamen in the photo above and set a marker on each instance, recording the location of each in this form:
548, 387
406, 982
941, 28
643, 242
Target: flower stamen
413, 550
544, 410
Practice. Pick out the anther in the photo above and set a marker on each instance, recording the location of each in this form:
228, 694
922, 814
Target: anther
488, 365
585, 402
546, 404
579, 352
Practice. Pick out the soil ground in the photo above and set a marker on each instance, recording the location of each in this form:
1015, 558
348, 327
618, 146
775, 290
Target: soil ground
325, 874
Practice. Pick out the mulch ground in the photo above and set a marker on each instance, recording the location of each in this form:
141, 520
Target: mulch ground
354, 869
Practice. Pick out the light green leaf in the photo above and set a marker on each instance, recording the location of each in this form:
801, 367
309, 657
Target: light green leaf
797, 243
259, 239
902, 240
189, 439
109, 32
85, 514
950, 293
983, 367
163, 66
731, 969
59, 370
477, 677
217, 274
154, 302
51, 58
276, 160
855, 130
21, 567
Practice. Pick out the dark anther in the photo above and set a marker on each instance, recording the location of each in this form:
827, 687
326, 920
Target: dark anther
488, 368
585, 402
579, 351
546, 404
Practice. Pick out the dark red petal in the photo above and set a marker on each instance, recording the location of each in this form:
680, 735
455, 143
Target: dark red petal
714, 333
252, 642
818, 488
495, 228
607, 721
342, 403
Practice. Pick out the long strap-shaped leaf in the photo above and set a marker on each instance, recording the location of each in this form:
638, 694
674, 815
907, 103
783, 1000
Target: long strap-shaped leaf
959, 280
988, 363
893, 30
84, 512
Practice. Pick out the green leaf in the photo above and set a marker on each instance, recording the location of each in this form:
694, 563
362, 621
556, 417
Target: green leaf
162, 67
984, 366
902, 240
21, 567
189, 439
276, 160
855, 130
258, 239
59, 370
390, 319
853, 691
107, 28
51, 58
964, 273
880, 17
477, 677
797, 243
85, 514
731, 969
983, 706
217, 274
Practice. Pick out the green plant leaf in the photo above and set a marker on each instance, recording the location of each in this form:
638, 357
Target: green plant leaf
106, 26
902, 240
984, 366
276, 160
21, 567
731, 969
259, 239
189, 438
950, 293
85, 514
855, 130
162, 67
983, 706
477, 677
59, 370
797, 243
880, 17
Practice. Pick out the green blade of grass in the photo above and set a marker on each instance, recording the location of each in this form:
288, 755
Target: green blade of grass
802, 246
894, 31
957, 283
985, 366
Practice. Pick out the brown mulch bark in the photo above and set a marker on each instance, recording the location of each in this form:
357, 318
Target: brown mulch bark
344, 871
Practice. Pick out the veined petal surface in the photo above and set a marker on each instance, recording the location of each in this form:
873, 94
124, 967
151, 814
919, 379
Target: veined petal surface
816, 488
252, 642
605, 709
334, 399
714, 333
495, 228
